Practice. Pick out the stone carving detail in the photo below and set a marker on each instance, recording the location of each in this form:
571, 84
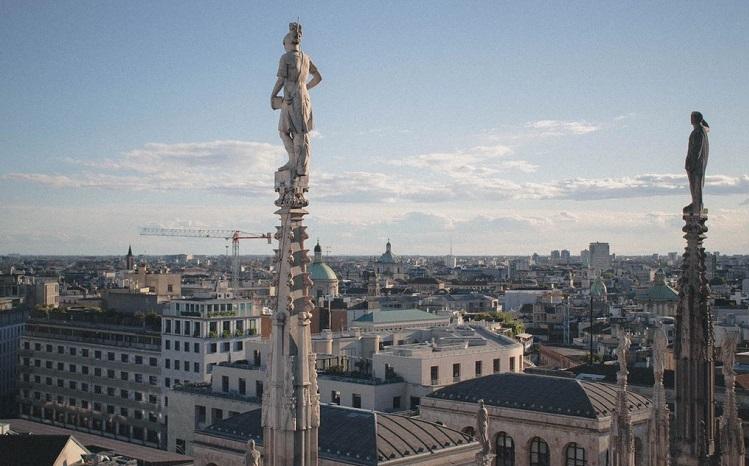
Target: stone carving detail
622, 440
694, 421
732, 446
658, 424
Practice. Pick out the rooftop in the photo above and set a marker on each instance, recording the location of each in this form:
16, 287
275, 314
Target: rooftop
546, 394
397, 316
356, 436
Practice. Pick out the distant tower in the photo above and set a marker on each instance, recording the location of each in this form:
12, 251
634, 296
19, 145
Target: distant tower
129, 259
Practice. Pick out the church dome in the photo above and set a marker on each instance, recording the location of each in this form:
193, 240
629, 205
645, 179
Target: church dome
319, 270
598, 288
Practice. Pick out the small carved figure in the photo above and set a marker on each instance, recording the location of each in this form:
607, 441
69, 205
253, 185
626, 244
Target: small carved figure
696, 162
252, 456
295, 122
482, 427
621, 352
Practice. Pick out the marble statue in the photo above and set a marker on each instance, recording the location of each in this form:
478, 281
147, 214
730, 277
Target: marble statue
621, 352
252, 456
295, 122
482, 427
696, 162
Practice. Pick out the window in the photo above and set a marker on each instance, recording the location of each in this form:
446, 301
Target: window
415, 402
242, 386
153, 362
176, 345
181, 444
123, 412
61, 349
84, 370
575, 455
196, 367
396, 402
196, 347
139, 378
456, 372
169, 288
167, 382
259, 390
335, 397
168, 344
73, 351
199, 416
539, 454
216, 415
110, 391
356, 400
168, 363
212, 348
124, 357
225, 347
168, 324
187, 331
84, 353
124, 394
505, 449
238, 345
124, 375
110, 373
186, 366
435, 374
224, 383
177, 327
97, 354
97, 371
478, 368
47, 364
49, 348
512, 364
176, 364
110, 356
139, 360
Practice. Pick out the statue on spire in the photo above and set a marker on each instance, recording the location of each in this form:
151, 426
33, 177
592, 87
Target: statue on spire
295, 123
696, 162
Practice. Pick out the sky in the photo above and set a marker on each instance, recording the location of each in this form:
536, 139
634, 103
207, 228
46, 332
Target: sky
497, 127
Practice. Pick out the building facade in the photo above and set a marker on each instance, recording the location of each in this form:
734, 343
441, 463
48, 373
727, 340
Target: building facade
93, 377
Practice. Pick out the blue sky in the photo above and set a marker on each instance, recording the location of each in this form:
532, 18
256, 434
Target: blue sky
510, 128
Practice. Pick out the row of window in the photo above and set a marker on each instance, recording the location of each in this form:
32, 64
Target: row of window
477, 368
72, 419
190, 328
225, 347
124, 394
82, 386
179, 366
539, 454
87, 353
97, 372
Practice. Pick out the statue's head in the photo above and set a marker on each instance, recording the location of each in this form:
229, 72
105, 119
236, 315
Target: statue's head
698, 119
251, 445
293, 39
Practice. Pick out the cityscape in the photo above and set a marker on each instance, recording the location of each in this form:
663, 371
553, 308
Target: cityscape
265, 298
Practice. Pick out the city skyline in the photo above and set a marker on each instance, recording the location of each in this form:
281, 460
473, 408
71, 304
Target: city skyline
436, 125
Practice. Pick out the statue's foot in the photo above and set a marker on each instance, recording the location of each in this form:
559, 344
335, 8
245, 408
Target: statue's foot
689, 209
284, 167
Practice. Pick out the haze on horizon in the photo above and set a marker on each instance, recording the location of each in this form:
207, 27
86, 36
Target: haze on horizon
507, 128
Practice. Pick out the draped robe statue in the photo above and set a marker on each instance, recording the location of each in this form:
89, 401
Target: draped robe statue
295, 123
696, 162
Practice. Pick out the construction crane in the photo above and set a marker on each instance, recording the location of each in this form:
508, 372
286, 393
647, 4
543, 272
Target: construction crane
233, 235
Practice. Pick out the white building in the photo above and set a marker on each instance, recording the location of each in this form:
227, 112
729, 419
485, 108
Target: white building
199, 333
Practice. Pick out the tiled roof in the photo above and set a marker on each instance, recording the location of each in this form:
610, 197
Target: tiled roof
557, 395
356, 436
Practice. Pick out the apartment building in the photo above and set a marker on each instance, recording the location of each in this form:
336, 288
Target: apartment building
199, 333
93, 376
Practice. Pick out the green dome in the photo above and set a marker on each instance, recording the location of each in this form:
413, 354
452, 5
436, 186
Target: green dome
321, 271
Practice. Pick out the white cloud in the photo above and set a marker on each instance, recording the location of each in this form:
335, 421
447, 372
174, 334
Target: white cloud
561, 128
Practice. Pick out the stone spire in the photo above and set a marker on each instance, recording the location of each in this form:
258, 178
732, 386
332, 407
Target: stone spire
694, 426
622, 439
732, 449
291, 404
658, 424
